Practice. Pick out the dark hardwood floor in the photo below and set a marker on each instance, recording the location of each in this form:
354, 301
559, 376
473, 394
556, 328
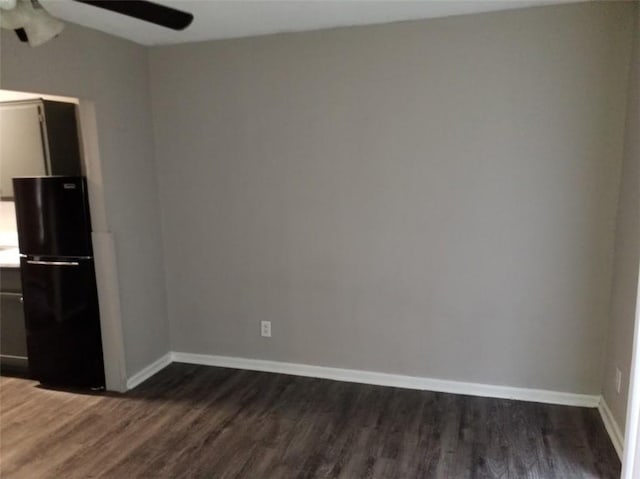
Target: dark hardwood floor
204, 422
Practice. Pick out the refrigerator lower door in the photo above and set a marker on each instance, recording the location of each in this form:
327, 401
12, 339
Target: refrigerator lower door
62, 321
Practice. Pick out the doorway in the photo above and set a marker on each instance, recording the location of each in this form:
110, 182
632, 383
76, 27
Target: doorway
103, 246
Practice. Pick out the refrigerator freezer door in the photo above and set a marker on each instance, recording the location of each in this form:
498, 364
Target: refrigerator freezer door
53, 216
62, 321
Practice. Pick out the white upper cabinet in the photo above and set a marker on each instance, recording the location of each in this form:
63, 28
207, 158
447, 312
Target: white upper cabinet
37, 138
22, 150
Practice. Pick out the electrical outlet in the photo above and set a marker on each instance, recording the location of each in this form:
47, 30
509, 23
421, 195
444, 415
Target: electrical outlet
265, 329
618, 380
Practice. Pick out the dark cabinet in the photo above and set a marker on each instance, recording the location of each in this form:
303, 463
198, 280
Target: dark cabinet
13, 339
61, 133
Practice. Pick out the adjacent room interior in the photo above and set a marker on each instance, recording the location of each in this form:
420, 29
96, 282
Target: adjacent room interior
323, 239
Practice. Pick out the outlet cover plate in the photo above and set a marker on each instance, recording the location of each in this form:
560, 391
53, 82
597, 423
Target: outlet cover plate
265, 329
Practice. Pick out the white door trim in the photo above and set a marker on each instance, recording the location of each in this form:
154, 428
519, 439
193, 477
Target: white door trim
104, 254
631, 453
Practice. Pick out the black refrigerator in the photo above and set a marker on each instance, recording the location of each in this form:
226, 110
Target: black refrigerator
62, 318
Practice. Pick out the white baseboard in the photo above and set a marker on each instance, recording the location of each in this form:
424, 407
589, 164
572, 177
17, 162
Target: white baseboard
149, 371
610, 424
393, 380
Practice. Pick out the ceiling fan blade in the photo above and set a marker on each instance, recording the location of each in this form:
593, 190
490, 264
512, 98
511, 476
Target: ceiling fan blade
148, 11
22, 35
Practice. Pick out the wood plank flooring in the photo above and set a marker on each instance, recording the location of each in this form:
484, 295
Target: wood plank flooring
204, 422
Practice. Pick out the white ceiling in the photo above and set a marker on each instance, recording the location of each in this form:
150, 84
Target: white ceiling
242, 18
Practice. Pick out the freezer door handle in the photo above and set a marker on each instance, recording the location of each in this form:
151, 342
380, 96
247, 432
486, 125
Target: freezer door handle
53, 263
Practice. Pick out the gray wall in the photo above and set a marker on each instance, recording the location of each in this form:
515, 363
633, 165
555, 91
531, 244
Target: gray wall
627, 253
113, 73
433, 198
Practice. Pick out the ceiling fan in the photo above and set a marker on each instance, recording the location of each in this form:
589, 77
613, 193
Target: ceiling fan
33, 24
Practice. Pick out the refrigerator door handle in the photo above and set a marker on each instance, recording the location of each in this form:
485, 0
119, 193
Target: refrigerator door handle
53, 263
11, 295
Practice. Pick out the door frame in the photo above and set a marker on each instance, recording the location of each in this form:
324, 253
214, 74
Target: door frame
104, 252
631, 447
